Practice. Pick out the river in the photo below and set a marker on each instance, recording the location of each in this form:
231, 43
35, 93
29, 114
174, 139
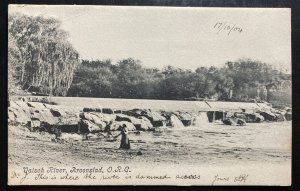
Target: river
211, 144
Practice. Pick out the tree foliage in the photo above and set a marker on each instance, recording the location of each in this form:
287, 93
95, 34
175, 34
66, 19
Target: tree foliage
39, 54
129, 79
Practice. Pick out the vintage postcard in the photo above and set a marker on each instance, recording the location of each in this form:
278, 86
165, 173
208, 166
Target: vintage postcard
120, 95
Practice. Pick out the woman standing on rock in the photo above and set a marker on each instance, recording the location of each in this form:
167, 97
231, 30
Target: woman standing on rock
125, 143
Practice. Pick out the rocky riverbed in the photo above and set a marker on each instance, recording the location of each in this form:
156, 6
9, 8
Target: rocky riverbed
40, 114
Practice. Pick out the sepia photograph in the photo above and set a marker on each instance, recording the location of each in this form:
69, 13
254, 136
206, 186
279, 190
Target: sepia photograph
124, 95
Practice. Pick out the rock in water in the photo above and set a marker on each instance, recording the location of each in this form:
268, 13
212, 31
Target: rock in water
89, 109
122, 117
155, 118
280, 117
89, 127
229, 121
258, 118
107, 118
117, 125
234, 121
145, 124
268, 116
141, 123
70, 137
185, 117
241, 122
107, 110
139, 153
288, 115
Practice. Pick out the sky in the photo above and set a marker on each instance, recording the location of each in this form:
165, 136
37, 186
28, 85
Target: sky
182, 37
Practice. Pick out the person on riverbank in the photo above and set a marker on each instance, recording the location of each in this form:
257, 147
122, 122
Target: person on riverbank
125, 143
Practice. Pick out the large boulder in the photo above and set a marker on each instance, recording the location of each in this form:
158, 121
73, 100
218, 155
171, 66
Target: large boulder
19, 113
229, 121
234, 121
98, 118
136, 112
288, 114
122, 117
44, 117
90, 127
241, 122
280, 117
107, 111
65, 114
92, 118
57, 112
186, 118
91, 109
117, 126
280, 114
253, 118
154, 116
143, 124
258, 118
240, 115
18, 116
156, 119
39, 111
268, 116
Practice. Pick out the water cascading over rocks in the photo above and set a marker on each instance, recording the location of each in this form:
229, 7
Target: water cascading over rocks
201, 120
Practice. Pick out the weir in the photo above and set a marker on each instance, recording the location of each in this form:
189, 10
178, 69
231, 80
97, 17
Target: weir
91, 115
155, 105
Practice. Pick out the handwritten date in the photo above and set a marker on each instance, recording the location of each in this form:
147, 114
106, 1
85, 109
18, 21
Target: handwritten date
228, 28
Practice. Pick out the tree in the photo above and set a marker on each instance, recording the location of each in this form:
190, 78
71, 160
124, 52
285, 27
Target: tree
130, 79
93, 79
44, 58
13, 58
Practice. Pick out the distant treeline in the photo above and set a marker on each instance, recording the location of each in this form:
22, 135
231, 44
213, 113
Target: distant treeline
129, 79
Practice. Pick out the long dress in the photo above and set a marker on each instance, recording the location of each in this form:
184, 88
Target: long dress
125, 143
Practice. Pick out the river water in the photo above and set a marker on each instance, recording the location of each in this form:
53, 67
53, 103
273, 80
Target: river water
262, 151
212, 143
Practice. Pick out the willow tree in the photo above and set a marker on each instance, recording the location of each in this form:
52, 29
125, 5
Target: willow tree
40, 55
